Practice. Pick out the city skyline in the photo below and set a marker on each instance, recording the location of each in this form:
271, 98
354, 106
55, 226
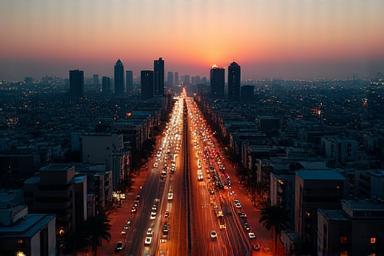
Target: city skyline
272, 39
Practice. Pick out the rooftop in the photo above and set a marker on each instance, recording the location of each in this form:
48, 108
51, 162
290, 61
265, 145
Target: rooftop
333, 214
56, 167
27, 226
326, 174
363, 205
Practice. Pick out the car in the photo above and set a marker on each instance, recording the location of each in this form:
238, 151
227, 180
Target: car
246, 226
242, 215
126, 227
213, 235
153, 215
133, 209
128, 223
166, 215
119, 246
238, 205
149, 232
251, 235
148, 241
123, 232
256, 247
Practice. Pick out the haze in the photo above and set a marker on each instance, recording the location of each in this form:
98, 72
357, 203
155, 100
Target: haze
270, 38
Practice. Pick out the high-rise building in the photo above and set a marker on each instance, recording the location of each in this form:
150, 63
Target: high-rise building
170, 79
76, 83
96, 81
177, 82
234, 78
119, 78
147, 84
217, 82
129, 81
106, 85
247, 93
23, 233
158, 66
186, 79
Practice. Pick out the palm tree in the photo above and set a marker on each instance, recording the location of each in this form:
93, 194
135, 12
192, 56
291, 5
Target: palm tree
98, 229
274, 217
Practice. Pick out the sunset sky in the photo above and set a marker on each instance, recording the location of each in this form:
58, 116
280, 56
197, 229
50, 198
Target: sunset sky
268, 38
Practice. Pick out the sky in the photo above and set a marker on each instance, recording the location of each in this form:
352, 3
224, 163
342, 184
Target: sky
288, 39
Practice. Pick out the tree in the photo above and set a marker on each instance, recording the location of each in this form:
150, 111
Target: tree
274, 217
98, 229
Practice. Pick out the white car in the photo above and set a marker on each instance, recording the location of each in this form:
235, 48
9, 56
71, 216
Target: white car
251, 235
153, 215
149, 232
213, 235
148, 240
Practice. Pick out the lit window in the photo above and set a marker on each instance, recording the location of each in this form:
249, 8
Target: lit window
343, 239
373, 240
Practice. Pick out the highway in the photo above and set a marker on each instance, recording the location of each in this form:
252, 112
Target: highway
187, 203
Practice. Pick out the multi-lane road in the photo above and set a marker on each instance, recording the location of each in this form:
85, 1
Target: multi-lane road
187, 204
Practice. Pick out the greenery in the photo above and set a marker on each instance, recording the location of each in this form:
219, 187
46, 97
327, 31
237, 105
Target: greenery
89, 235
275, 218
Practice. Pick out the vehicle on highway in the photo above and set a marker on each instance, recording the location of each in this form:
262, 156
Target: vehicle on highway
133, 209
126, 226
119, 246
251, 235
166, 215
213, 235
153, 215
170, 196
128, 223
148, 241
256, 247
149, 232
242, 215
165, 230
123, 232
246, 226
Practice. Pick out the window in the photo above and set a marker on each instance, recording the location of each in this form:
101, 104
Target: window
372, 240
343, 239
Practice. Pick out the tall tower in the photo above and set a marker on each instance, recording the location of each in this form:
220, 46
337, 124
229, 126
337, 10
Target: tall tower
129, 81
170, 81
146, 80
119, 78
177, 82
106, 85
158, 66
234, 78
76, 84
217, 82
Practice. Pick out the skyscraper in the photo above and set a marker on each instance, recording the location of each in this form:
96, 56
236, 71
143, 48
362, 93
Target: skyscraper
158, 66
234, 78
247, 93
106, 85
147, 83
217, 82
129, 81
119, 78
170, 79
177, 82
96, 81
76, 84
